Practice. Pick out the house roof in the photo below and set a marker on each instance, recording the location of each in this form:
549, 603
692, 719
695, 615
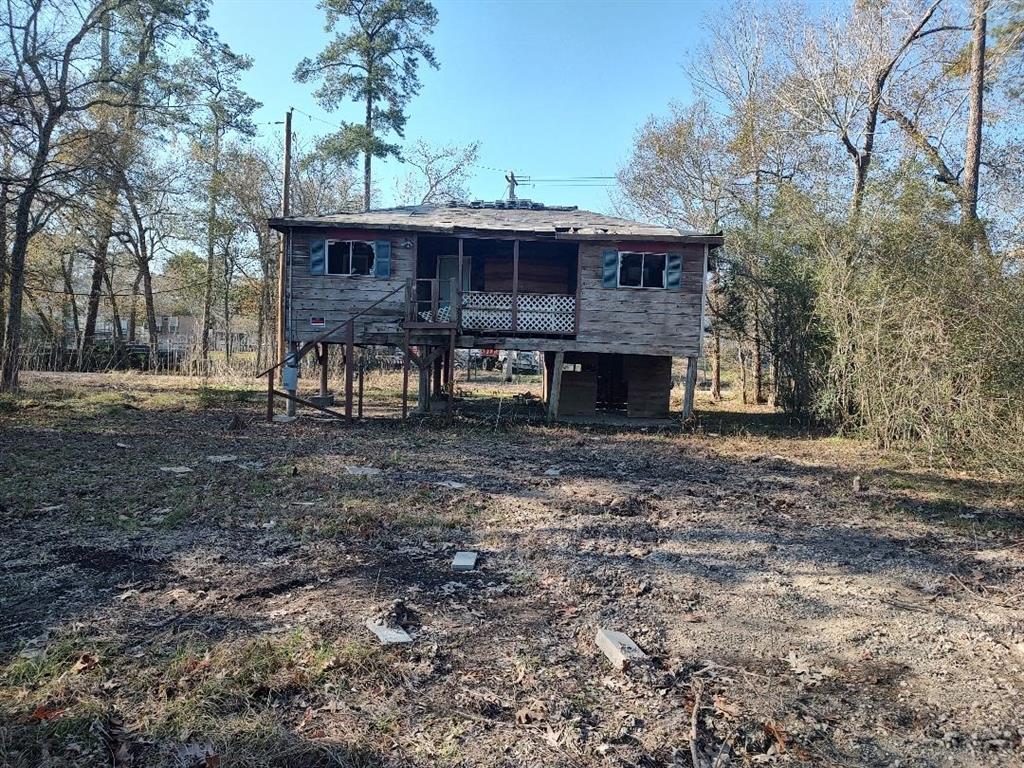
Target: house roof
520, 217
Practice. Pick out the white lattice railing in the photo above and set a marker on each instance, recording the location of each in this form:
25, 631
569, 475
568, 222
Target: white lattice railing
535, 312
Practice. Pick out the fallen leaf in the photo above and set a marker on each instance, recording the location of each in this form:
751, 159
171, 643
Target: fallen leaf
730, 709
776, 733
84, 663
43, 713
531, 713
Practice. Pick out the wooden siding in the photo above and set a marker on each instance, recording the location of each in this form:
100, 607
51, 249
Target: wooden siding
640, 320
615, 320
338, 297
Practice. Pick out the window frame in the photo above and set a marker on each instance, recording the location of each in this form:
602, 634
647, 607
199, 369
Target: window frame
371, 267
643, 256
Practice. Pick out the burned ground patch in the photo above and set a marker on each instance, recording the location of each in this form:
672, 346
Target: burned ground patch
219, 610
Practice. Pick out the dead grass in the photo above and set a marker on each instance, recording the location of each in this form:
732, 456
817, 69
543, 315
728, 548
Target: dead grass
158, 619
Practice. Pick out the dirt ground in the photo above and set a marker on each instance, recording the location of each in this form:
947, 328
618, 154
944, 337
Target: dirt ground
183, 584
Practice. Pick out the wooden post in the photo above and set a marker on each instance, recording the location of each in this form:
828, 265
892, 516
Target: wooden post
438, 367
350, 356
359, 413
405, 375
451, 373
515, 285
285, 210
294, 352
556, 385
423, 396
323, 369
270, 395
691, 385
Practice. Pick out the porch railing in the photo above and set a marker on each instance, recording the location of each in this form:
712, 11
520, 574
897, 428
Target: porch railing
541, 313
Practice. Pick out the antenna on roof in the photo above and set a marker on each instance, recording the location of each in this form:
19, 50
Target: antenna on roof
510, 177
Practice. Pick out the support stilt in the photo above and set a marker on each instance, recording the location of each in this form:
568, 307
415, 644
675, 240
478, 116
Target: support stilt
691, 385
406, 351
350, 359
323, 370
556, 385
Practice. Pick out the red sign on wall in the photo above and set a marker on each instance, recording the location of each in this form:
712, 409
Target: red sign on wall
318, 322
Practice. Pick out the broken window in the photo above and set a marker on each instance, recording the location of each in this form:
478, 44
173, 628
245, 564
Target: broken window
349, 257
642, 270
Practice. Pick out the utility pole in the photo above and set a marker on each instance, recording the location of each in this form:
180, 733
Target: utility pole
285, 210
510, 177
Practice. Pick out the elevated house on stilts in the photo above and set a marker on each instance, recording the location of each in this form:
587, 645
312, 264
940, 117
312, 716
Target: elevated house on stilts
609, 302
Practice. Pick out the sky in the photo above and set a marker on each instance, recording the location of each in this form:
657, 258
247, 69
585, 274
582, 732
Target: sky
551, 89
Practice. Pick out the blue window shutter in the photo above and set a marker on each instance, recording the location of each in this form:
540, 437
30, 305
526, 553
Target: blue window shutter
382, 258
610, 275
317, 257
674, 271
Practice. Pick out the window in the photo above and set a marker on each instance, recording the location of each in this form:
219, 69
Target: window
642, 270
349, 257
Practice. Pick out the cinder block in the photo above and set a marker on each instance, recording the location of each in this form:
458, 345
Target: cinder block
619, 648
388, 635
464, 561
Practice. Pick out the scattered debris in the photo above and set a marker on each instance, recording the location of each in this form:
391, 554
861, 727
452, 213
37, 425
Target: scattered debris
84, 663
279, 418
619, 648
807, 674
388, 635
194, 755
122, 445
390, 623
454, 485
176, 470
362, 471
553, 472
464, 561
531, 713
856, 484
222, 459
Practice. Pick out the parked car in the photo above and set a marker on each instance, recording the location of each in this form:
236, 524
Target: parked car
522, 362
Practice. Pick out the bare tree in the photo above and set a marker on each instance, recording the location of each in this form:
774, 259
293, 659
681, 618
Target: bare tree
49, 87
440, 173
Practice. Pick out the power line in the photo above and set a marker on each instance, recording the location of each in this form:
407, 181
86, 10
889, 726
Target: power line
199, 284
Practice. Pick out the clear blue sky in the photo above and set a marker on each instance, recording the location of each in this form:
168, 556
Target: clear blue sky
549, 88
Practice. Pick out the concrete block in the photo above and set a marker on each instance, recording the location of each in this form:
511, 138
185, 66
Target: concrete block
619, 648
326, 401
464, 561
388, 635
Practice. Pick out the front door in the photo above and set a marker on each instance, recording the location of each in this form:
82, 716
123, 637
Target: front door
447, 270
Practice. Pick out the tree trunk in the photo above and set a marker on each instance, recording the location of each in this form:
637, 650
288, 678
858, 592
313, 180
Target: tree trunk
263, 321
716, 365
211, 223
10, 359
368, 155
3, 254
743, 372
759, 397
67, 271
972, 160
227, 308
134, 311
154, 330
118, 336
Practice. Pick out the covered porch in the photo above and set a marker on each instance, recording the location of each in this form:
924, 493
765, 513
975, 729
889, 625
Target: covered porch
497, 286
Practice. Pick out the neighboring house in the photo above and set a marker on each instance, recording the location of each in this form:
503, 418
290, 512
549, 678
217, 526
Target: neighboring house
608, 301
179, 334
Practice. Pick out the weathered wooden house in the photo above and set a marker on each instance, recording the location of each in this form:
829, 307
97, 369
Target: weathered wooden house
609, 302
